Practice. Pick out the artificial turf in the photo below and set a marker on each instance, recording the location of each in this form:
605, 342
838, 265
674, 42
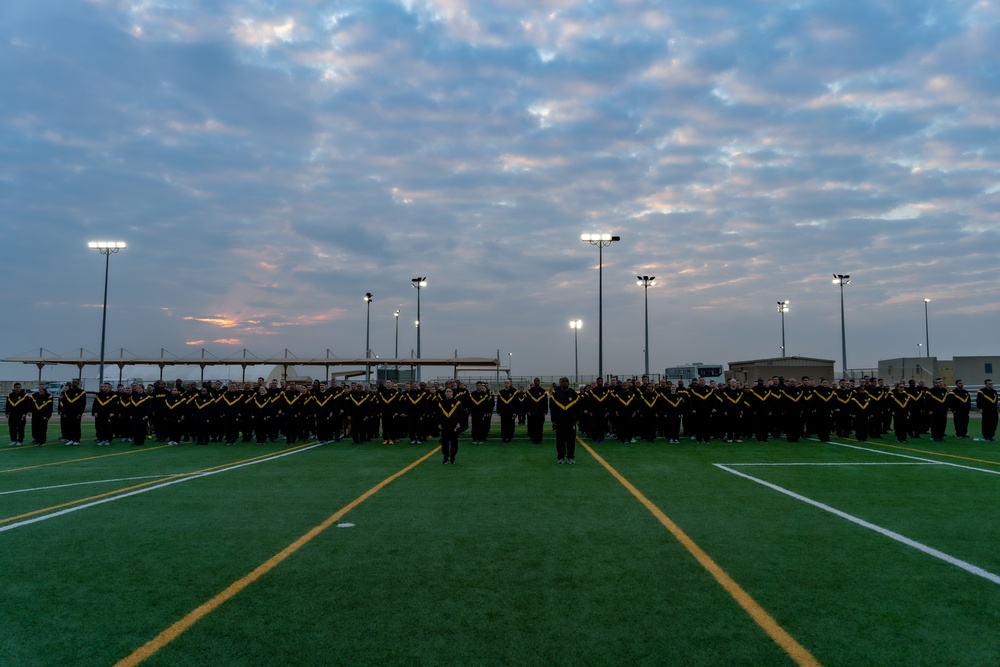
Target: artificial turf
505, 558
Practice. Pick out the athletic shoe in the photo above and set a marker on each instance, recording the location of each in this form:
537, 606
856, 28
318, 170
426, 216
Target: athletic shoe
561, 461
571, 461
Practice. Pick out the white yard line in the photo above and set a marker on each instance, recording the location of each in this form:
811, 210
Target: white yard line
968, 567
915, 458
100, 481
884, 463
180, 480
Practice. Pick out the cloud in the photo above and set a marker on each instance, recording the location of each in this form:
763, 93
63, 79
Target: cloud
269, 163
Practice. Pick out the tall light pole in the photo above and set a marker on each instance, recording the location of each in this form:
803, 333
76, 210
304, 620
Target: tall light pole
600, 240
842, 279
106, 248
927, 329
576, 325
418, 282
646, 282
368, 347
783, 308
395, 352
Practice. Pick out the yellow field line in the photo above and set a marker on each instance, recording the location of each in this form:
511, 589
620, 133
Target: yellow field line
178, 628
149, 483
795, 651
87, 458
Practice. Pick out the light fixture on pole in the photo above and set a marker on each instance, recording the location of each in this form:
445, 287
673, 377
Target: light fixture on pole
927, 329
418, 282
842, 279
919, 346
646, 282
576, 325
368, 347
783, 308
395, 353
106, 248
600, 240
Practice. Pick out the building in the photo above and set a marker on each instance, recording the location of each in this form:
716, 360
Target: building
787, 367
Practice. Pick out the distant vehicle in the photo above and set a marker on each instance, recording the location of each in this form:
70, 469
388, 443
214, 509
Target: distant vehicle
55, 388
695, 371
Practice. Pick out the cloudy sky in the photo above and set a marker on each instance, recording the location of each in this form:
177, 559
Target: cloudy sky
270, 162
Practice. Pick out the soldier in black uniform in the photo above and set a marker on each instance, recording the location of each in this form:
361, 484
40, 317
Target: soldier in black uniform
174, 415
960, 403
986, 402
597, 405
480, 412
899, 401
450, 414
41, 413
565, 406
507, 409
72, 403
821, 406
141, 409
936, 406
791, 408
17, 408
537, 400
702, 402
103, 411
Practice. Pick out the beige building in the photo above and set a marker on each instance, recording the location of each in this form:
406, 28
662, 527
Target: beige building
787, 367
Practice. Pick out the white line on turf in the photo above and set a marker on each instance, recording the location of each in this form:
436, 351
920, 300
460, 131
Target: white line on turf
179, 480
915, 458
100, 481
968, 567
884, 463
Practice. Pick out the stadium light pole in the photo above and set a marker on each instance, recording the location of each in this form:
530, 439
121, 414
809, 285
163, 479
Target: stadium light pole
368, 329
106, 248
646, 282
927, 329
395, 353
842, 279
576, 325
600, 240
783, 308
418, 282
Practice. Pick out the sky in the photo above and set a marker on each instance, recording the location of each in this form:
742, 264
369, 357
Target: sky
268, 163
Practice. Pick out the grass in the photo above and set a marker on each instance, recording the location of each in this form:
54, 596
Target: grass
505, 558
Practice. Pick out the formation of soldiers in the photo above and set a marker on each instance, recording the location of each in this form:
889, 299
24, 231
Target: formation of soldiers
782, 408
629, 410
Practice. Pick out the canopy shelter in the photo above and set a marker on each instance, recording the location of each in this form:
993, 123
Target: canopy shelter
246, 359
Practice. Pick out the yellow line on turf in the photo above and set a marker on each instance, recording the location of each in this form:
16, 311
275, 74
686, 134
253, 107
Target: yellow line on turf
795, 651
178, 628
149, 483
86, 458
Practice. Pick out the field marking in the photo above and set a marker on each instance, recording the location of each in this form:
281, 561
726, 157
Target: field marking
795, 651
86, 458
119, 494
919, 546
174, 631
912, 449
918, 458
100, 481
884, 463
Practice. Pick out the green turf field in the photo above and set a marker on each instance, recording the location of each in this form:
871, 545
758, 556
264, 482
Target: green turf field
720, 554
